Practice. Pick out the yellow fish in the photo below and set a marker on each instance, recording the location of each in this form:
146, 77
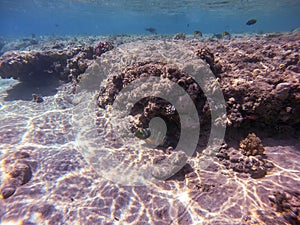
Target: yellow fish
226, 35
197, 33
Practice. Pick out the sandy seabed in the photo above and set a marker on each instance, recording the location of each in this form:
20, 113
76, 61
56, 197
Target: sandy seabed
63, 162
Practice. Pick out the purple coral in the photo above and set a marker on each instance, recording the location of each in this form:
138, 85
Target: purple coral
102, 47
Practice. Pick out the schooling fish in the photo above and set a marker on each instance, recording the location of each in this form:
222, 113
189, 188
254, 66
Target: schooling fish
251, 22
151, 30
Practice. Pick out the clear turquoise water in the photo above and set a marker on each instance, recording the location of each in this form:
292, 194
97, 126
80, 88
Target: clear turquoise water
133, 16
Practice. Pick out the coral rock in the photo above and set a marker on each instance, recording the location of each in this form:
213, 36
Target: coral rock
22, 172
151, 107
37, 98
103, 47
261, 73
258, 172
256, 166
18, 170
21, 155
282, 90
287, 203
7, 191
251, 145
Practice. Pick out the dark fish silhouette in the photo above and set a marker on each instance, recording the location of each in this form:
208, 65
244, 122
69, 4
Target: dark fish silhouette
251, 22
151, 30
218, 3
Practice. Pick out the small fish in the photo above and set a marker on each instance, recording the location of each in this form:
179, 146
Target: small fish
197, 33
180, 36
218, 36
251, 22
225, 34
151, 30
142, 133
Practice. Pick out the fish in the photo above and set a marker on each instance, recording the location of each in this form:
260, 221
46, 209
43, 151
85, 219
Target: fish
217, 36
251, 22
197, 33
151, 30
180, 36
226, 34
142, 133
218, 3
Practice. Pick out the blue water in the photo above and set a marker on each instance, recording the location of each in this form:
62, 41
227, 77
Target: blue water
68, 17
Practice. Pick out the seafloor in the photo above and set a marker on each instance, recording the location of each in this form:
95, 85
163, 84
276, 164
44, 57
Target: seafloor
64, 159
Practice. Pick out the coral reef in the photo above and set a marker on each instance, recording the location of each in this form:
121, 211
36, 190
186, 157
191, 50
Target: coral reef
40, 66
190, 196
102, 47
57, 61
48, 67
207, 55
251, 145
150, 107
248, 159
259, 76
78, 63
34, 66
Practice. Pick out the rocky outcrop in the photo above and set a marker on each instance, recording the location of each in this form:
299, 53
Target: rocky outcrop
18, 171
38, 66
34, 66
249, 159
259, 77
150, 107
